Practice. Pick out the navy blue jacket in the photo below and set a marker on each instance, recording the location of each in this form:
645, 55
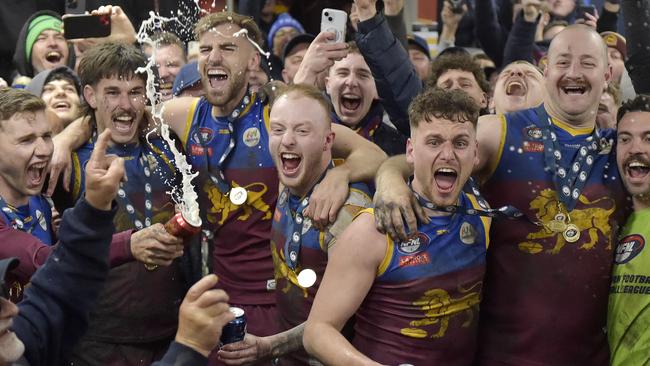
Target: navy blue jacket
395, 77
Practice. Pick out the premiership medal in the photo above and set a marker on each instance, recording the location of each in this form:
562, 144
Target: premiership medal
571, 234
557, 226
238, 195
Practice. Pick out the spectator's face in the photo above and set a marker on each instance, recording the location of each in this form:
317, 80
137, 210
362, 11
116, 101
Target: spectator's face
224, 61
49, 51
552, 32
61, 97
281, 37
300, 140
169, 60
616, 61
576, 73
11, 348
443, 154
421, 63
25, 152
119, 105
633, 152
519, 86
352, 88
257, 78
607, 110
464, 81
562, 8
292, 62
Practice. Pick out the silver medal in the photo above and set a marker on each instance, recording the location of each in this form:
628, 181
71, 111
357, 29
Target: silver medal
238, 195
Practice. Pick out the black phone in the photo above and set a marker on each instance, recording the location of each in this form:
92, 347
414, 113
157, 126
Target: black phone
86, 26
582, 9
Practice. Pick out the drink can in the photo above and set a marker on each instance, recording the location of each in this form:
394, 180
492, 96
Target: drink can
181, 227
235, 330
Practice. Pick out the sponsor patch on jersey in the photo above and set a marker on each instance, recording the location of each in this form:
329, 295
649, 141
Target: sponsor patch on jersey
202, 136
414, 243
196, 150
251, 136
415, 260
533, 146
533, 132
628, 248
467, 233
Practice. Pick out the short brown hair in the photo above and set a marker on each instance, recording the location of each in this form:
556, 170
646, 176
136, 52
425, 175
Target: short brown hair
639, 104
457, 61
453, 105
215, 19
14, 101
307, 91
111, 59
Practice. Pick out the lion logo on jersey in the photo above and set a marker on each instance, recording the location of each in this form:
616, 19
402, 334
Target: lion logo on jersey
438, 307
222, 208
590, 219
282, 270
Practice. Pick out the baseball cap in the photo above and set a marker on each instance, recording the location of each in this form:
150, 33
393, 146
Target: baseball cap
615, 40
295, 41
186, 78
6, 265
419, 43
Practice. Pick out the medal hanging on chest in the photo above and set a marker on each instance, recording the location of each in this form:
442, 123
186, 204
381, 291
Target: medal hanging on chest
236, 195
123, 198
569, 182
306, 277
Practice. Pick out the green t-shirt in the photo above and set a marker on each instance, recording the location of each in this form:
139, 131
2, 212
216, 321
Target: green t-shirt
628, 319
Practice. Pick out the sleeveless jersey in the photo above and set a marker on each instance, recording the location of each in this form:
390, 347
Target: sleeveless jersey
545, 299
629, 297
145, 300
294, 301
423, 307
240, 251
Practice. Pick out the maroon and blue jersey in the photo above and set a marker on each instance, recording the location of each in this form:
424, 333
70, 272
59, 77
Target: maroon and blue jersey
294, 301
240, 251
145, 300
423, 307
545, 299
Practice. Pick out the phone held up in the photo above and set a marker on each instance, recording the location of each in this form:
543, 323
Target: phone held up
585, 9
335, 21
86, 26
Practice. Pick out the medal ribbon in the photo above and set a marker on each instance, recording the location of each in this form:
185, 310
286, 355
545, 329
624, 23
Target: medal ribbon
295, 241
15, 221
216, 173
568, 184
508, 211
148, 204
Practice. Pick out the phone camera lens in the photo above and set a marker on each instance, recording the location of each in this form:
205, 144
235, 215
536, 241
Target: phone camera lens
330, 19
327, 14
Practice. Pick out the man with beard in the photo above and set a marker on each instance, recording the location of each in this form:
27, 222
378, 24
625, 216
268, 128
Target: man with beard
115, 94
555, 165
225, 135
519, 86
351, 88
416, 300
300, 125
629, 299
60, 90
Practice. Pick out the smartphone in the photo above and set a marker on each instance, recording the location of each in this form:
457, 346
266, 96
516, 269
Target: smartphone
86, 26
335, 21
585, 9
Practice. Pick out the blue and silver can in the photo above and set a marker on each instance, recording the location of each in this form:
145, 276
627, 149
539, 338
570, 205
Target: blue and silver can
235, 330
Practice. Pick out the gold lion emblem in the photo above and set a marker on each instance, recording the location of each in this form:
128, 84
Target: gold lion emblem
222, 208
439, 307
591, 219
282, 270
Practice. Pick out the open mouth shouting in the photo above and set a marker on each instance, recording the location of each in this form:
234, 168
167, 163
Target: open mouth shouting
636, 169
61, 106
166, 89
445, 179
516, 87
36, 174
290, 164
350, 103
54, 57
123, 122
218, 78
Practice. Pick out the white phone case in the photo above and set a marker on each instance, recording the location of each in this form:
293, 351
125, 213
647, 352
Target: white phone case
334, 20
